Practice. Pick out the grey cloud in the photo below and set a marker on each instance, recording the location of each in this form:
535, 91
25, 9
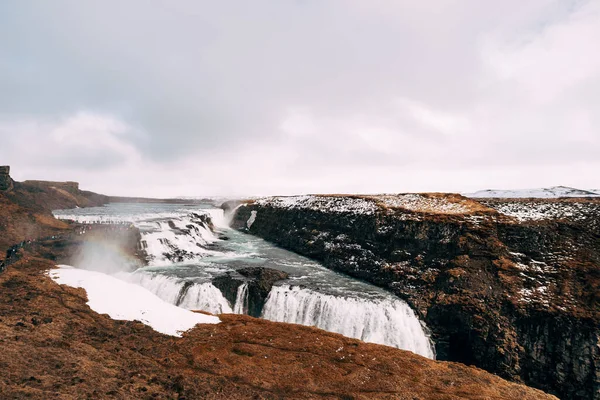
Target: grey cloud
193, 78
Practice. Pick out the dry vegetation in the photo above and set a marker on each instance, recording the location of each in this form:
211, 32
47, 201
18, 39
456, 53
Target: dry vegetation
55, 346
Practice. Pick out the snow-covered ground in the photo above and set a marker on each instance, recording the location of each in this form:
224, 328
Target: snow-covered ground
574, 210
339, 204
543, 193
420, 203
368, 204
127, 301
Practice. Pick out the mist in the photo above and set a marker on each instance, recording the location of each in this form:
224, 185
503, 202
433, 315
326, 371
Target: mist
106, 251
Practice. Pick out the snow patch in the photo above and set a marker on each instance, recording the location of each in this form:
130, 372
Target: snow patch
367, 204
532, 211
127, 301
420, 203
542, 193
336, 204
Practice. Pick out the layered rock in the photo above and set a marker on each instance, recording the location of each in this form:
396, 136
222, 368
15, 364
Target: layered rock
515, 293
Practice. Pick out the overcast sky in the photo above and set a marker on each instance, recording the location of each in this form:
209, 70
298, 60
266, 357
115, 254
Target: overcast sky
169, 98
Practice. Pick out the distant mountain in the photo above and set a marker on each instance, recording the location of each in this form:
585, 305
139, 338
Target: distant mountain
544, 193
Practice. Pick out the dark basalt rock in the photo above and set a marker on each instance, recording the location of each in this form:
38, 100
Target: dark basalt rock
259, 286
519, 299
228, 285
6, 183
260, 281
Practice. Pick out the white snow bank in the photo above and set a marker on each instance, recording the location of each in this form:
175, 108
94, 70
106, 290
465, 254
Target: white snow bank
127, 301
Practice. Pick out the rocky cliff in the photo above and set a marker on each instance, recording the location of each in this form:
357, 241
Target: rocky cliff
6, 183
508, 286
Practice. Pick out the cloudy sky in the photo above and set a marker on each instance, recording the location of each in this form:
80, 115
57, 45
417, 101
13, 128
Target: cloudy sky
168, 98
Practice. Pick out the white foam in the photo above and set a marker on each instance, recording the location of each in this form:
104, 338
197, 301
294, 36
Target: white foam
384, 321
167, 237
199, 296
241, 299
126, 301
206, 297
161, 237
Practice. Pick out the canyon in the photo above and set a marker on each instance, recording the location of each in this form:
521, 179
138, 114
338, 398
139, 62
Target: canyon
54, 343
507, 285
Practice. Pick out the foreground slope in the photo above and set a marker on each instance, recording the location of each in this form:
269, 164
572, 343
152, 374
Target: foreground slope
53, 343
511, 286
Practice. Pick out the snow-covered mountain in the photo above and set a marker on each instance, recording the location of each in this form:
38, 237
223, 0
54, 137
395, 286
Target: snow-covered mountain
543, 193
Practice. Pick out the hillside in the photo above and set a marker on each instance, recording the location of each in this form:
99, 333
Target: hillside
25, 210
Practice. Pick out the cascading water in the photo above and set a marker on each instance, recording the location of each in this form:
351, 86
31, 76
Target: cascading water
241, 299
186, 294
382, 321
177, 239
185, 255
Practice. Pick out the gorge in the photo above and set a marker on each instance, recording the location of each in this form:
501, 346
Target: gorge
245, 275
511, 286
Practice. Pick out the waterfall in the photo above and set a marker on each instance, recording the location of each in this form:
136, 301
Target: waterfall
206, 297
167, 237
177, 239
384, 321
186, 294
241, 300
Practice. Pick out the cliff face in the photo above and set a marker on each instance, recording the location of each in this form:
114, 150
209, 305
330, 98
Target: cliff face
515, 293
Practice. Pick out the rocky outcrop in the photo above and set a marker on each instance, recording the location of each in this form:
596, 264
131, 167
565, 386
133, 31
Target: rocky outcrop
260, 280
69, 186
6, 182
515, 296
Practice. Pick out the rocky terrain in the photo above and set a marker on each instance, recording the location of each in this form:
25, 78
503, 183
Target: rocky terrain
509, 285
55, 346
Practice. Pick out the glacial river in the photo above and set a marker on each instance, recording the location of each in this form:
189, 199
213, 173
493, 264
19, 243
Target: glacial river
184, 250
